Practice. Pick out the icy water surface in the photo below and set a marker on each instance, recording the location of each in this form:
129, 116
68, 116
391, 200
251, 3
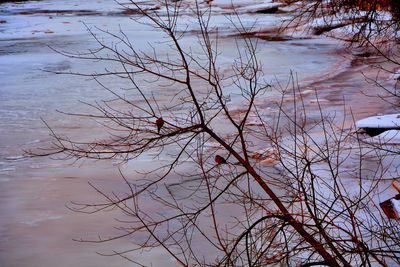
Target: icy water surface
35, 227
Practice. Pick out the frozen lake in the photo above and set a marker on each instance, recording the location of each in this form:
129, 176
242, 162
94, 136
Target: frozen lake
35, 227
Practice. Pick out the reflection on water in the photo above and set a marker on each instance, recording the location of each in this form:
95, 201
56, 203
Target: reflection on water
35, 227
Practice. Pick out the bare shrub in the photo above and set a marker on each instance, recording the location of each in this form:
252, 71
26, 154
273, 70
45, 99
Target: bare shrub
230, 186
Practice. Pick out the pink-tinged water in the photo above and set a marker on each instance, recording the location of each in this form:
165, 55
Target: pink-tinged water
36, 229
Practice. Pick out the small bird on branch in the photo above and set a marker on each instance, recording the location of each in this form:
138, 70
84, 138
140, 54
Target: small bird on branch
159, 124
219, 160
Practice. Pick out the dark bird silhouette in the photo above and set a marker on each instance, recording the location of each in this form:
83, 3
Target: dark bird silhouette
219, 160
159, 124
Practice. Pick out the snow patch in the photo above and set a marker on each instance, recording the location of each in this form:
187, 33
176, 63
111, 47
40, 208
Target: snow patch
395, 75
14, 157
36, 221
321, 100
391, 137
384, 121
396, 206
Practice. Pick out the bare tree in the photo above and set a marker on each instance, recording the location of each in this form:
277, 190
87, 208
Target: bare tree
229, 205
371, 25
360, 22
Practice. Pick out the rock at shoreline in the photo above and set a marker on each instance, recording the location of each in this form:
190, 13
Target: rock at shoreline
391, 207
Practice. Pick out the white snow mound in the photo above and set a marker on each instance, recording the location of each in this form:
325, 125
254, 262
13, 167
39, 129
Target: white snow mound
384, 121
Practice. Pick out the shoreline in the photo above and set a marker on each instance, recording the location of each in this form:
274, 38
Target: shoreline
348, 78
33, 199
